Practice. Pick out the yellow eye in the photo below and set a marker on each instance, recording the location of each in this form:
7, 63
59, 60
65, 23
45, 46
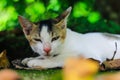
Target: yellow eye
55, 38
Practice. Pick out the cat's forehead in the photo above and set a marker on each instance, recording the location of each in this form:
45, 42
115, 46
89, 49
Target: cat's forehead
45, 28
46, 24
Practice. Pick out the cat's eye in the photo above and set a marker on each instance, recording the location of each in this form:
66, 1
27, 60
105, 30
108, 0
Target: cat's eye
37, 39
55, 38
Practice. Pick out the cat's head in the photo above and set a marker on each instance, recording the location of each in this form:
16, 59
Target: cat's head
46, 37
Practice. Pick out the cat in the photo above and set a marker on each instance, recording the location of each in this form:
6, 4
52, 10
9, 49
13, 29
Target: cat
54, 42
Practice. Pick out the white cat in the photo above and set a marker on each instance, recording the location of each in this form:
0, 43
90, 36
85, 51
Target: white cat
54, 42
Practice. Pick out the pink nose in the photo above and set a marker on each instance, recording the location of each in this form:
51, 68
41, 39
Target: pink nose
47, 50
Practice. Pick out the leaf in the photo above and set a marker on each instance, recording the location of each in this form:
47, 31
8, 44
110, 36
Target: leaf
109, 76
7, 74
80, 69
4, 63
110, 65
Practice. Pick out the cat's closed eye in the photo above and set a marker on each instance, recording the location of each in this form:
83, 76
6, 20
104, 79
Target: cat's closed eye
37, 39
55, 38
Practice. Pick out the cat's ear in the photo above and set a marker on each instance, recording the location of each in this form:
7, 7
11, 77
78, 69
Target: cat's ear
25, 24
61, 20
64, 15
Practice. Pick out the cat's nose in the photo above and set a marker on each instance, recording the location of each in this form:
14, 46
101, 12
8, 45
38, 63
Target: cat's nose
47, 50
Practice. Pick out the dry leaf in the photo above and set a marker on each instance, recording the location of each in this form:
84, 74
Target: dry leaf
4, 63
110, 65
80, 69
7, 74
113, 76
18, 65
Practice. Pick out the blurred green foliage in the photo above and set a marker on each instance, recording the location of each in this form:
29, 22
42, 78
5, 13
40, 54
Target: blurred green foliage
83, 18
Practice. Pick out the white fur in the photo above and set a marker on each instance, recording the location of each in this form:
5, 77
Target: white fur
90, 45
44, 34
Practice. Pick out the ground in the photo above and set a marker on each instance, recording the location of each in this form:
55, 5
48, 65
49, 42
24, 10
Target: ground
49, 74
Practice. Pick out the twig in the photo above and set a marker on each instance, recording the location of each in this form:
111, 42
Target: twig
114, 51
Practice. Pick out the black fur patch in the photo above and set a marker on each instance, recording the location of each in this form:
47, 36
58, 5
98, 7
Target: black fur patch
47, 23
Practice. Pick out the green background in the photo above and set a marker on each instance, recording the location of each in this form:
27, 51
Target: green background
84, 17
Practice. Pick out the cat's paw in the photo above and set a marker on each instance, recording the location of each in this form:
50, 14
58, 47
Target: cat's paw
36, 64
44, 63
25, 61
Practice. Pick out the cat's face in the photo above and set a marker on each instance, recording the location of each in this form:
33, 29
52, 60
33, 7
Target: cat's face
46, 37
